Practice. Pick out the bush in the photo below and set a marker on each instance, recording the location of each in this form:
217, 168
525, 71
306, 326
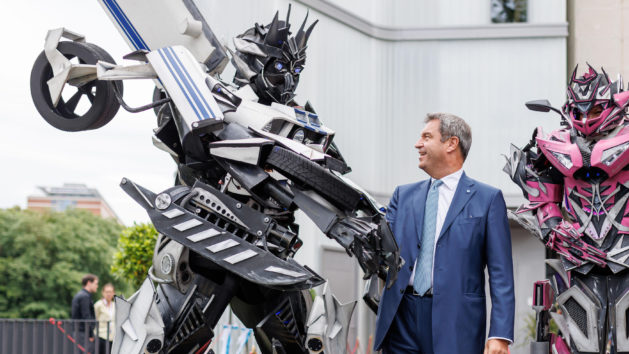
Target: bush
135, 253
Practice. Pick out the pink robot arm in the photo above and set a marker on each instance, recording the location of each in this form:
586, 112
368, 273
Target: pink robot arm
543, 188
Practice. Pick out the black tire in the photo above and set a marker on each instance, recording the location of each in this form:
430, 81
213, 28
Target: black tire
99, 93
314, 176
113, 108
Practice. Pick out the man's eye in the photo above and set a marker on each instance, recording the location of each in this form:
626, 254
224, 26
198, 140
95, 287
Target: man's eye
279, 66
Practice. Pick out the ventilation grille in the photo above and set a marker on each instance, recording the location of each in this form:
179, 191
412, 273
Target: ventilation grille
193, 321
578, 314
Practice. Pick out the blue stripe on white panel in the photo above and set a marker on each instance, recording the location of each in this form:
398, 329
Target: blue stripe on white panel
212, 115
125, 24
187, 84
183, 90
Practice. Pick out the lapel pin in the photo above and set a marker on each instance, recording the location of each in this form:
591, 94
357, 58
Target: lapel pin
468, 190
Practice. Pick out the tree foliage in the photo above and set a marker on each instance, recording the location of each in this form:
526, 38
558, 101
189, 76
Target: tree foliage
43, 257
135, 253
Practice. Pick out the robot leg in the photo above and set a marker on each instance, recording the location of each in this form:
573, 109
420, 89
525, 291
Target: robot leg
278, 318
582, 316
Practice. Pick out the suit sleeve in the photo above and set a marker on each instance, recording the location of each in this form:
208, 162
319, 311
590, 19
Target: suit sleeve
392, 208
500, 269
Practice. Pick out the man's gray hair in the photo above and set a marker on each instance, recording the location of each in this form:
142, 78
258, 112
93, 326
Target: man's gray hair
451, 125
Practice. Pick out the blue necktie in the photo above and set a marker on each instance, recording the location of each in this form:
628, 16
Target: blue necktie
423, 268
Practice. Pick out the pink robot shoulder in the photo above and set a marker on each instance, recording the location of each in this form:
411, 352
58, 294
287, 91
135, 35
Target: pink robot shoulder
610, 153
560, 151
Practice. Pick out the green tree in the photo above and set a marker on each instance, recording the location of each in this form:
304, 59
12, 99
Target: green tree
135, 253
43, 257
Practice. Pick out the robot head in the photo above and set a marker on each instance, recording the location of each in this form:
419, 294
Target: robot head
595, 104
269, 59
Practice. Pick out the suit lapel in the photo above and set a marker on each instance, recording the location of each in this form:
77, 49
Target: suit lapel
464, 192
419, 202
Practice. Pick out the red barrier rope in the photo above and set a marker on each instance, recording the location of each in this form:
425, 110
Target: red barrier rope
70, 338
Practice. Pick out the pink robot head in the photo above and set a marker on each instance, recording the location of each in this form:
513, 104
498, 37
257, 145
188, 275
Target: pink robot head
595, 104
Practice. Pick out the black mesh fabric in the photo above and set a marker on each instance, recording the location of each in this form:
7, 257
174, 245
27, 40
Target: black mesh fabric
578, 314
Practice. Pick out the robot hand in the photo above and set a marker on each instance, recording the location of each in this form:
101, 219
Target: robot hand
373, 245
566, 240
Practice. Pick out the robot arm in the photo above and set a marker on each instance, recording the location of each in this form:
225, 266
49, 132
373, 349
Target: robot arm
542, 215
340, 209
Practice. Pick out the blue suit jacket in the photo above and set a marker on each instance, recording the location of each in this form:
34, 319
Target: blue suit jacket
475, 235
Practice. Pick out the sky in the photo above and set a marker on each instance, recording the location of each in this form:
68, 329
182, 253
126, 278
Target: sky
33, 153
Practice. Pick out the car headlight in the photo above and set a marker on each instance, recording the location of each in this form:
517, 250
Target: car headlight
610, 155
564, 159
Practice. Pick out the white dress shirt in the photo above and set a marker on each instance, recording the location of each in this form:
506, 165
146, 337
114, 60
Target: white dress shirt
446, 193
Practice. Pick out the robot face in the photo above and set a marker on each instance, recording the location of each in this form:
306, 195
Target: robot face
280, 77
594, 102
271, 60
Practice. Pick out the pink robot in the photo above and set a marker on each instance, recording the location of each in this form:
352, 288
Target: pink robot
576, 181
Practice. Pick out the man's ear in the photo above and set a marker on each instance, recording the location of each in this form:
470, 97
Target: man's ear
453, 144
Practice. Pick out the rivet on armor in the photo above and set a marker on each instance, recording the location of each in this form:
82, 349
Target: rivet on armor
167, 264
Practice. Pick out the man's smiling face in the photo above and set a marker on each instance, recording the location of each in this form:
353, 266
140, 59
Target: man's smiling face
432, 150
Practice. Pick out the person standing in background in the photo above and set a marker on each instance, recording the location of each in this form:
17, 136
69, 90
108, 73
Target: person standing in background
105, 310
83, 308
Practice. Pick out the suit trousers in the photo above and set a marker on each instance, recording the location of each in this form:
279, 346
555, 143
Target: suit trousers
411, 329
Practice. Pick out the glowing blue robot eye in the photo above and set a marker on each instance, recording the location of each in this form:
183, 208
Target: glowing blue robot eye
297, 70
279, 66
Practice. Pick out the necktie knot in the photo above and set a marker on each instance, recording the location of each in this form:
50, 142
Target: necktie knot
436, 183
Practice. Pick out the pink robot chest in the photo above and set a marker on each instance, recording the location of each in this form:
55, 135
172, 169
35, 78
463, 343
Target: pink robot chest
598, 208
609, 154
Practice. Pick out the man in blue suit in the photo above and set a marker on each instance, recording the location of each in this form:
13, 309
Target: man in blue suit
449, 229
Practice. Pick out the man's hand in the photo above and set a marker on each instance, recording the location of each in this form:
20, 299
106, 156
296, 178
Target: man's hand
496, 346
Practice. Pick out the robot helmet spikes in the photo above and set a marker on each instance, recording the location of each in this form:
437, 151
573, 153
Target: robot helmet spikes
276, 58
595, 104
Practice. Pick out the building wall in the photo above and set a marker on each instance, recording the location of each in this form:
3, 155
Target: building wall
597, 35
528, 267
375, 93
95, 206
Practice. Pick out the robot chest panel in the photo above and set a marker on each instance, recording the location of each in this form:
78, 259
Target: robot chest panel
611, 153
586, 159
599, 207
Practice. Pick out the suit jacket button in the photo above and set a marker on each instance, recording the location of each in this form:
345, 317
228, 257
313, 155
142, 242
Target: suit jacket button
419, 246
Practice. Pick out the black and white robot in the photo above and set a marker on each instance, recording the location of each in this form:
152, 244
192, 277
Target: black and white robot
248, 156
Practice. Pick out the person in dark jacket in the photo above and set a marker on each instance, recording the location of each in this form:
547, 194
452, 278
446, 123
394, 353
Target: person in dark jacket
83, 309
